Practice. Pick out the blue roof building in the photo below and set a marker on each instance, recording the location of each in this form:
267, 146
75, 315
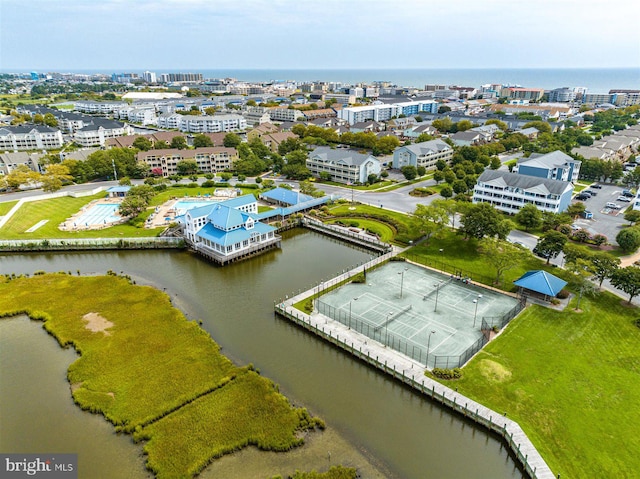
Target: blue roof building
286, 197
541, 282
228, 230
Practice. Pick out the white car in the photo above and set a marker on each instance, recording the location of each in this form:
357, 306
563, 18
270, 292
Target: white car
624, 199
613, 206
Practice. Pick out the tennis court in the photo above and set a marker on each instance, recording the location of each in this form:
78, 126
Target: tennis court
422, 313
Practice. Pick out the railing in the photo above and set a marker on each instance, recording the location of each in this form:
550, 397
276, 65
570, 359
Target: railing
520, 445
347, 235
71, 244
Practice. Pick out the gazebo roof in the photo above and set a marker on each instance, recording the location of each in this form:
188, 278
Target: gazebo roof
541, 282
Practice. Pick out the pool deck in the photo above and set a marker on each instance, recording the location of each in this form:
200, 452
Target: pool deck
73, 224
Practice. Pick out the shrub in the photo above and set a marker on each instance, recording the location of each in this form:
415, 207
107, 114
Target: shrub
563, 294
359, 278
308, 305
208, 184
455, 373
637, 322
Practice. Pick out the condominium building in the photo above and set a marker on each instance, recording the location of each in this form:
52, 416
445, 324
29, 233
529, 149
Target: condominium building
30, 137
531, 94
359, 114
509, 192
99, 107
555, 165
344, 166
97, 132
211, 159
424, 154
284, 114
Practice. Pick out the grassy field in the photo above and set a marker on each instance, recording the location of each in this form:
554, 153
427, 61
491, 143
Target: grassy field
56, 211
383, 230
6, 207
150, 371
571, 381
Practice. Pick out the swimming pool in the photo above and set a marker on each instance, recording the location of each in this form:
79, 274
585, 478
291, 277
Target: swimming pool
98, 215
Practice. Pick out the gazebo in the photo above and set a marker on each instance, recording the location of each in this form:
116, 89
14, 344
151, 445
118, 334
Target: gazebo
540, 282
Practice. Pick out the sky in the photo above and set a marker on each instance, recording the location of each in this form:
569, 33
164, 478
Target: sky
68, 35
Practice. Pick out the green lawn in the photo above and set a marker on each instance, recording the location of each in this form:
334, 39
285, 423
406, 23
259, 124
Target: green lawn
56, 211
571, 380
375, 186
6, 207
384, 231
151, 372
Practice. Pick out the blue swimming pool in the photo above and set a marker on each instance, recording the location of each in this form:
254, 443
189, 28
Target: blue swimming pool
98, 215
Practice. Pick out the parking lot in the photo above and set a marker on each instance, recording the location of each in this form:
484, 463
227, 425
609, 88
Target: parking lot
605, 221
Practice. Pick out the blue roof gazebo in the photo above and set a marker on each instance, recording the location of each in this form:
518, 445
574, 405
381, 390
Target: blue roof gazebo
541, 282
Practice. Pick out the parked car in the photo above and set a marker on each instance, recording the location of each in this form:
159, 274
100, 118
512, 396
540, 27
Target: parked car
597, 187
592, 193
582, 197
539, 253
612, 206
624, 199
627, 193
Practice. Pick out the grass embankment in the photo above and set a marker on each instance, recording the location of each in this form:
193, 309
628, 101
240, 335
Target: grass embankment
335, 472
569, 379
6, 207
397, 224
384, 232
152, 372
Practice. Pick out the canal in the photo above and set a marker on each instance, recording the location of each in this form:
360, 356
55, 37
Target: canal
374, 423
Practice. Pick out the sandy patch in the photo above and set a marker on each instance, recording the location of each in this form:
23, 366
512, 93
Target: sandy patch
494, 371
97, 323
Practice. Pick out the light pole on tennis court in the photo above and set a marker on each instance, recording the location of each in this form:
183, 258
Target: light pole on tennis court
401, 273
441, 260
475, 313
386, 323
437, 291
426, 363
354, 299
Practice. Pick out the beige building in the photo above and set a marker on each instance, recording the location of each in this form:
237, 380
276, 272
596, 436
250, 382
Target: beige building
209, 160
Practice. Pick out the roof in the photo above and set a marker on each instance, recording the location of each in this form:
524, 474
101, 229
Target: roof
427, 147
226, 238
287, 196
554, 159
541, 282
225, 217
533, 184
118, 189
349, 157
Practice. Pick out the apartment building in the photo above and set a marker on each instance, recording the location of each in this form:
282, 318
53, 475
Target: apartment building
30, 137
344, 166
530, 94
555, 165
385, 112
97, 132
99, 107
211, 159
426, 154
284, 114
509, 192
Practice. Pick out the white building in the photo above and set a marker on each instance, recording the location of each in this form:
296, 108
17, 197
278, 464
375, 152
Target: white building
30, 137
509, 192
344, 166
212, 124
424, 154
284, 114
99, 131
99, 107
358, 114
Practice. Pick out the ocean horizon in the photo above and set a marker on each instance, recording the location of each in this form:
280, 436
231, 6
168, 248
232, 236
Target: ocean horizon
596, 80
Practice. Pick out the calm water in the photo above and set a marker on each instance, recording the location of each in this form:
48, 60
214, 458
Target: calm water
597, 80
407, 435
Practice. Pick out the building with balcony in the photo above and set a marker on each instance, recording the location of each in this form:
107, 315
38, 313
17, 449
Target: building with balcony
30, 137
554, 166
509, 192
344, 166
424, 154
99, 130
212, 159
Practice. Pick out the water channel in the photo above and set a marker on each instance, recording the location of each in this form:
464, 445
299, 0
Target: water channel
375, 424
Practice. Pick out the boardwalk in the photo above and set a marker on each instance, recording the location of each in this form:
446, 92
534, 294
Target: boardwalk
411, 373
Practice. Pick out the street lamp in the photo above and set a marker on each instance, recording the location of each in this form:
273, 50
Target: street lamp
401, 273
426, 363
437, 291
386, 323
354, 299
475, 313
441, 260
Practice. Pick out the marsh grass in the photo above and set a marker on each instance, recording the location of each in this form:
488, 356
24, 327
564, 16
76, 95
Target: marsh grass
156, 373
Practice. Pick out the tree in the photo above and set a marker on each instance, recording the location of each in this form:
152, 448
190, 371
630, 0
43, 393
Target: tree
603, 266
187, 167
446, 191
132, 206
50, 120
482, 220
541, 126
21, 175
628, 280
372, 178
629, 239
142, 143
443, 109
55, 177
551, 244
429, 219
581, 271
450, 207
308, 188
179, 142
386, 145
502, 255
202, 141
438, 176
231, 140
464, 125
161, 145
495, 163
576, 209
409, 171
632, 216
529, 217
